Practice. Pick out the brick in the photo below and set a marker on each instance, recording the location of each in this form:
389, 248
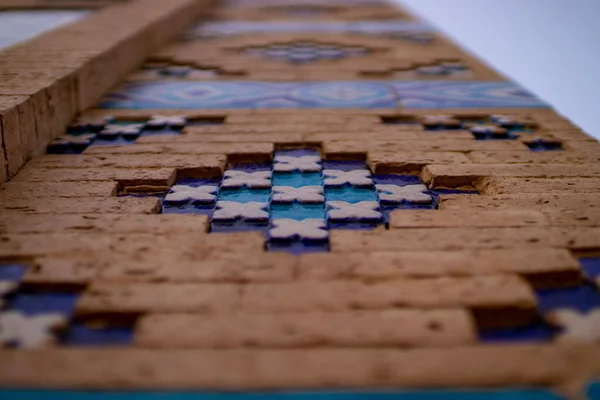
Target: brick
491, 186
579, 217
101, 297
186, 246
202, 266
420, 328
402, 219
464, 174
137, 161
531, 201
10, 124
110, 205
109, 223
542, 267
528, 157
464, 366
410, 161
220, 139
302, 119
31, 190
495, 300
162, 177
444, 239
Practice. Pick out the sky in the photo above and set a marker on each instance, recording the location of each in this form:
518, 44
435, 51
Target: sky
550, 47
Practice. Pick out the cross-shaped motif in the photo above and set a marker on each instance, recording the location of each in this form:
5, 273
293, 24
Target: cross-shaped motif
304, 194
232, 210
28, 331
361, 211
253, 180
505, 120
171, 121
112, 130
185, 193
357, 177
577, 327
302, 163
394, 194
289, 229
67, 140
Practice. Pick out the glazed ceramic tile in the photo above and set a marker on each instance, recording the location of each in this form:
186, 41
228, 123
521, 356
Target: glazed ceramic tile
290, 229
231, 210
393, 194
305, 52
305, 194
539, 145
28, 331
576, 326
284, 163
181, 194
364, 211
359, 177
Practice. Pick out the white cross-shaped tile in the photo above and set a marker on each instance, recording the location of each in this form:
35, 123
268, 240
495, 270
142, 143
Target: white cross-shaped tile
28, 331
578, 327
74, 139
184, 193
304, 194
173, 121
487, 129
288, 229
232, 210
503, 119
302, 163
93, 121
361, 211
253, 180
357, 177
5, 288
116, 129
410, 193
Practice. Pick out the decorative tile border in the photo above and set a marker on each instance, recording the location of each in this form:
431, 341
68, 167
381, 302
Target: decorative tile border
343, 94
17, 26
227, 28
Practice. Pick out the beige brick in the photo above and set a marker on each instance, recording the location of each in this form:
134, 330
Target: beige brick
212, 162
10, 126
402, 219
3, 163
162, 177
444, 239
529, 157
109, 205
542, 268
465, 174
531, 201
309, 118
420, 328
220, 139
31, 190
459, 367
103, 297
502, 300
410, 161
580, 217
492, 186
145, 246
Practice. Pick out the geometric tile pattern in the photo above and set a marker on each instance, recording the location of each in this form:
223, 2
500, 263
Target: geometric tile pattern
305, 52
296, 199
342, 94
494, 127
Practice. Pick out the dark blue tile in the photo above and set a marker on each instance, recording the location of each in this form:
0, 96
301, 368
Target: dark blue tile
394, 179
244, 195
297, 211
250, 167
538, 332
543, 145
239, 226
80, 334
187, 209
12, 272
163, 131
344, 165
118, 141
590, 266
197, 182
582, 298
360, 226
593, 390
66, 148
32, 303
298, 247
298, 152
297, 179
350, 194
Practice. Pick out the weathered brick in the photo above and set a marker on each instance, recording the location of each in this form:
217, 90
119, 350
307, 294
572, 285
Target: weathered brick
492, 186
456, 175
445, 239
30, 190
74, 205
531, 201
542, 268
464, 366
420, 328
529, 157
402, 219
381, 162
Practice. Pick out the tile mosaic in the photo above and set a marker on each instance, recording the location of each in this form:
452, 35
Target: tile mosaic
415, 194
343, 94
305, 52
82, 334
335, 177
12, 272
182, 194
494, 127
393, 28
538, 145
39, 303
285, 163
252, 180
291, 229
230, 210
590, 266
364, 211
583, 298
297, 211
28, 331
305, 194
576, 326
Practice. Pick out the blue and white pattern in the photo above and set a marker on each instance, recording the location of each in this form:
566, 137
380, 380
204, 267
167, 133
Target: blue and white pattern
296, 205
306, 95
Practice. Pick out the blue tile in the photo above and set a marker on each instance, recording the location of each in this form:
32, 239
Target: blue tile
187, 209
33, 303
12, 272
394, 179
538, 332
244, 195
543, 145
296, 179
239, 226
359, 226
298, 152
250, 167
197, 182
384, 394
80, 334
350, 194
590, 265
297, 211
119, 141
298, 247
344, 165
593, 390
582, 298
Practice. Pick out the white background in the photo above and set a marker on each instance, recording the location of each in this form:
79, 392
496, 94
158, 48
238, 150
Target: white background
550, 47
